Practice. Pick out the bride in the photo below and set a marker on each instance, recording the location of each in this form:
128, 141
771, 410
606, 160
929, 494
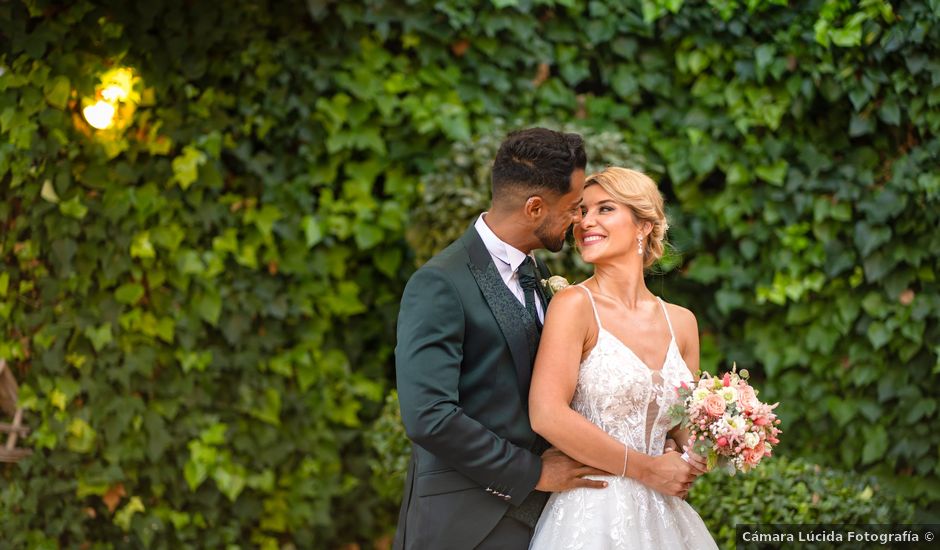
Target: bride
611, 356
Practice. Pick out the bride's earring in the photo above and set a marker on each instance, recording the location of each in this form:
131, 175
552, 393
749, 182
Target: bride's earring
639, 245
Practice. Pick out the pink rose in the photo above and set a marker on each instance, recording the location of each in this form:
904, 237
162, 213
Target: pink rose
722, 441
726, 380
753, 456
761, 421
714, 405
747, 398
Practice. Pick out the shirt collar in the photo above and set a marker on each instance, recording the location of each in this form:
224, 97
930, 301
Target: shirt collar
508, 254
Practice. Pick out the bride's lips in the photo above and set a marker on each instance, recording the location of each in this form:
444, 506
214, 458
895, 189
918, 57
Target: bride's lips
589, 239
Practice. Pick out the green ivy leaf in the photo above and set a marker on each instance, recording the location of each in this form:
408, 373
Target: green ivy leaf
48, 192
193, 360
774, 173
890, 111
81, 436
168, 236
230, 479
57, 91
312, 232
264, 219
209, 306
129, 293
125, 515
876, 444
226, 242
186, 166
367, 235
195, 473
388, 260
141, 247
73, 208
868, 238
99, 336
269, 409
878, 334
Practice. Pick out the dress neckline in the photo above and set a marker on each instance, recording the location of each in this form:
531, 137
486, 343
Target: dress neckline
672, 341
601, 329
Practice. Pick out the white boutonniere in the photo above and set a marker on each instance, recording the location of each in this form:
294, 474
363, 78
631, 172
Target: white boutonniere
554, 284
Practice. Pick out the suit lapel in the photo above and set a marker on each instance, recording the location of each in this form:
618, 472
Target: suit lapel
501, 301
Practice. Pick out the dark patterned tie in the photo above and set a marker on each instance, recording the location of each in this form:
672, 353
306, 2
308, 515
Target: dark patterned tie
530, 285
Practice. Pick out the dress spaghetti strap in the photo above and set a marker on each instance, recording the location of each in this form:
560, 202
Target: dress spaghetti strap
593, 306
668, 322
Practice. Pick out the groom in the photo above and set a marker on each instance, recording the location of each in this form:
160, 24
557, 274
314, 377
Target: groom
468, 331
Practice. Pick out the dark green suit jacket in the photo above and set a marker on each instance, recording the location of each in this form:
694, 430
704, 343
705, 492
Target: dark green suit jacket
463, 363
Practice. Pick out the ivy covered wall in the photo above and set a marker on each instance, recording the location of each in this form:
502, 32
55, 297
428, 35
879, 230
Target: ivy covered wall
199, 304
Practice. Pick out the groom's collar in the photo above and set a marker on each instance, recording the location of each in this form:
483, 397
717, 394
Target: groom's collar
498, 248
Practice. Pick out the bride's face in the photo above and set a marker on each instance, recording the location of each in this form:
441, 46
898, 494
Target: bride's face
607, 229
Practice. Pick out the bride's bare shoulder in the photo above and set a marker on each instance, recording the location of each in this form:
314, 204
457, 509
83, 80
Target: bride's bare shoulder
683, 320
573, 306
570, 300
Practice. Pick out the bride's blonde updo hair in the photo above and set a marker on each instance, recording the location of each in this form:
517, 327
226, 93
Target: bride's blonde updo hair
639, 193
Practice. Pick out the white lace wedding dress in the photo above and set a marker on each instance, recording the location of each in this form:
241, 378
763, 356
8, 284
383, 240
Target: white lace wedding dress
617, 391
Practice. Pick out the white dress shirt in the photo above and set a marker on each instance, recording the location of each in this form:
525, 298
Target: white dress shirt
507, 260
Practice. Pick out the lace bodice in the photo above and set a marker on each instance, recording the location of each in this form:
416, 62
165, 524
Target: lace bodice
622, 395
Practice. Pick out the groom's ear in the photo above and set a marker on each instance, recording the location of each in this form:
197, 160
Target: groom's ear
535, 207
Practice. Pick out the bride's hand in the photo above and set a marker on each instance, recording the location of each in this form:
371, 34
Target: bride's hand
697, 461
670, 474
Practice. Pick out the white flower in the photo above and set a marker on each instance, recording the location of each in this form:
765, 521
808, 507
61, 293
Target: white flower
699, 394
737, 423
751, 440
555, 284
729, 394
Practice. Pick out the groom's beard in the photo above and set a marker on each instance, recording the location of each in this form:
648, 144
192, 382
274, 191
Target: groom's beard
550, 241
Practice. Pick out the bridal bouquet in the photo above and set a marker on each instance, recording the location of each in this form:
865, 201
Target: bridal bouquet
727, 423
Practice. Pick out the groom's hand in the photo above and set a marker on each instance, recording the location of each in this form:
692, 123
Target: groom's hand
562, 473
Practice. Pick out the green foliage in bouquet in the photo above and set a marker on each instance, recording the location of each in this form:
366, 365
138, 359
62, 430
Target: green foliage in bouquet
783, 490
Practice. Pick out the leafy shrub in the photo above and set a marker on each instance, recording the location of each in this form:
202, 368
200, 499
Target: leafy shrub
389, 449
784, 491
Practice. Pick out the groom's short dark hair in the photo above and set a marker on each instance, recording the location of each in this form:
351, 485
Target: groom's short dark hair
535, 160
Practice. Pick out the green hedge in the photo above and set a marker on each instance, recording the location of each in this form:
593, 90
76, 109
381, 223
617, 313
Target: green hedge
787, 491
200, 306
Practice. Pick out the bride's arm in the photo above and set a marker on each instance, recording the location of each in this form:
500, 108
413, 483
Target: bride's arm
569, 325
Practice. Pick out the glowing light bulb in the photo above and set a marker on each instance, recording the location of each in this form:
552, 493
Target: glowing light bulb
114, 93
100, 115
